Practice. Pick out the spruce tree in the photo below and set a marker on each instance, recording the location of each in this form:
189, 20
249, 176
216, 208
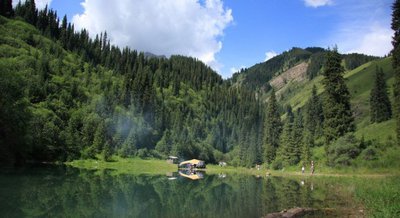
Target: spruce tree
396, 63
338, 118
297, 135
314, 116
307, 144
6, 8
286, 142
272, 128
380, 106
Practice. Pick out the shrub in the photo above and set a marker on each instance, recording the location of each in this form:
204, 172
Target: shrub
277, 164
369, 153
343, 151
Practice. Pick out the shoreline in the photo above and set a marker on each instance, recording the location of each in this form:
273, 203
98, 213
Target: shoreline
155, 166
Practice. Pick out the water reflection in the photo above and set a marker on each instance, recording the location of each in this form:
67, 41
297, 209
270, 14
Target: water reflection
192, 174
54, 192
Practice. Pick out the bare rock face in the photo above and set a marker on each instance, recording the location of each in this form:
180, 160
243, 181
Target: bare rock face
296, 73
291, 213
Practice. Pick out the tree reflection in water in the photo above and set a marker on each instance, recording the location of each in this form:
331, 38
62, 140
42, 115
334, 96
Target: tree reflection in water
59, 191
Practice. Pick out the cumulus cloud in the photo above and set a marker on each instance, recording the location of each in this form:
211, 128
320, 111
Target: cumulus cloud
375, 41
163, 27
317, 3
364, 27
269, 55
40, 4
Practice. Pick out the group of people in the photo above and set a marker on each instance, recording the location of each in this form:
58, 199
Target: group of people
311, 168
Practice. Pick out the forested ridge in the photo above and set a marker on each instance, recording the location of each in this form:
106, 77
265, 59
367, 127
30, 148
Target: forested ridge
66, 96
257, 77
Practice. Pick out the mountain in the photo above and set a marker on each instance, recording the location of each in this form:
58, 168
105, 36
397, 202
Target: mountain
306, 62
66, 96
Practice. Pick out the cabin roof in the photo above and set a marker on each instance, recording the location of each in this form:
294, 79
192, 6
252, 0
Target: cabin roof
193, 161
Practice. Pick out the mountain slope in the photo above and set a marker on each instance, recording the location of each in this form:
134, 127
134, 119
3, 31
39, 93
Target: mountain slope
259, 76
87, 99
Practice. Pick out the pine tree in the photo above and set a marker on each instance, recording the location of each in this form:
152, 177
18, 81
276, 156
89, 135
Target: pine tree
380, 106
272, 128
297, 135
338, 118
314, 116
308, 142
286, 142
6, 8
396, 63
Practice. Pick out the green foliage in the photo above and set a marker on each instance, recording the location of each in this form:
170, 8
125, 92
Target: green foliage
6, 8
380, 196
15, 114
396, 63
257, 76
272, 129
354, 60
343, 151
314, 116
338, 117
381, 109
316, 63
92, 100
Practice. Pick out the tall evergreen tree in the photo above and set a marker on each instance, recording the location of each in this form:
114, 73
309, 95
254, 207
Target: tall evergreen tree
314, 116
338, 117
286, 142
297, 135
396, 63
272, 128
380, 106
6, 9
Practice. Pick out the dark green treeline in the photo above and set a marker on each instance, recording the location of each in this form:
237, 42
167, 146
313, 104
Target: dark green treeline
76, 97
67, 96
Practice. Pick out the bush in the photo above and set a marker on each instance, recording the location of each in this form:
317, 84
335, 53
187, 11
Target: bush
277, 164
143, 153
369, 153
343, 151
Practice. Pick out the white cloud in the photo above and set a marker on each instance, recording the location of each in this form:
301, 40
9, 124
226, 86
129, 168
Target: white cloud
317, 3
364, 27
40, 4
269, 55
235, 70
163, 27
376, 41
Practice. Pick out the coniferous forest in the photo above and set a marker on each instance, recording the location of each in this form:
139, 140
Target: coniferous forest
67, 96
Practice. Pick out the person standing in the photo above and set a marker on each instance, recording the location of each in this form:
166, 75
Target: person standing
302, 169
312, 167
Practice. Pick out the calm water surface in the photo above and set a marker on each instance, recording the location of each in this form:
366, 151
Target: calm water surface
67, 192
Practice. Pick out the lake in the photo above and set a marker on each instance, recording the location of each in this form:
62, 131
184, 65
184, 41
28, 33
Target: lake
59, 191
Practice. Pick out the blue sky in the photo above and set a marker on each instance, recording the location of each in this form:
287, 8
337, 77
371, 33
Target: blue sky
231, 34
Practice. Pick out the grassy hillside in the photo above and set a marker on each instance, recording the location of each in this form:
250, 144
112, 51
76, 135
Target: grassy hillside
259, 76
360, 82
379, 136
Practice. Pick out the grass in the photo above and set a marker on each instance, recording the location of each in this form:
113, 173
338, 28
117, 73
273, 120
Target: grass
153, 166
378, 131
134, 166
381, 197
